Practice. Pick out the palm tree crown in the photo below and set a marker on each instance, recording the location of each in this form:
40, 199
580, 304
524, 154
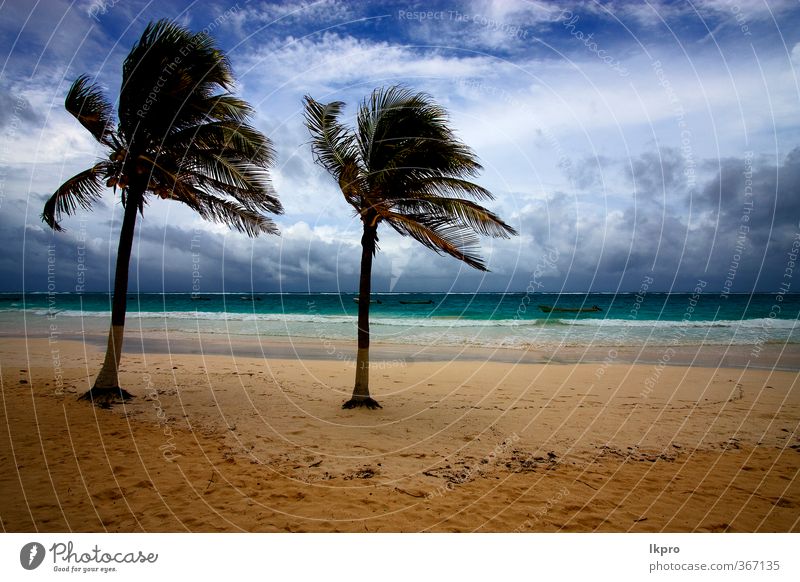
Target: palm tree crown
403, 165
181, 135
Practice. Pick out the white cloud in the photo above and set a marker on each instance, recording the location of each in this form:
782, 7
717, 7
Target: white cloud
291, 13
654, 13
339, 62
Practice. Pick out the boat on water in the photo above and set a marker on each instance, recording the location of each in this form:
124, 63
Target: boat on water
424, 302
551, 309
371, 300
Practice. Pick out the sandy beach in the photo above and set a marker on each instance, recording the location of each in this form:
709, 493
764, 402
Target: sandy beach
235, 443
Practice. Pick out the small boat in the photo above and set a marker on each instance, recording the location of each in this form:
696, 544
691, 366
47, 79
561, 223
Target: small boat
371, 300
551, 309
423, 302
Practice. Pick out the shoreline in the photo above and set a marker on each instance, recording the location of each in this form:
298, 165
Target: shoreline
784, 357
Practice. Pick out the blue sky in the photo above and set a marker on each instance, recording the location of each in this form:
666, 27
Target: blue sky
623, 140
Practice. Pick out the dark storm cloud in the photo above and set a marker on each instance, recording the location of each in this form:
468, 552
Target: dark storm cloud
757, 205
211, 262
737, 229
772, 190
588, 172
656, 173
33, 257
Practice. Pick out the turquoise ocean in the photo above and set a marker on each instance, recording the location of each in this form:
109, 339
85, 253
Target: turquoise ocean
511, 320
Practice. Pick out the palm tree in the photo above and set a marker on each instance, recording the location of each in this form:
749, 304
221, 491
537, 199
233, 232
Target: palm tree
180, 135
401, 165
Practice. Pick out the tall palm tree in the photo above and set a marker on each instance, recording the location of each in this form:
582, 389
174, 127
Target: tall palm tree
401, 165
180, 135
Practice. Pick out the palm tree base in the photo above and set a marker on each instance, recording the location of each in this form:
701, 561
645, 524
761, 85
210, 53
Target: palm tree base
361, 402
106, 397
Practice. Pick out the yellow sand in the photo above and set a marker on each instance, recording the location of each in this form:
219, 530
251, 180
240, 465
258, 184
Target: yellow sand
245, 444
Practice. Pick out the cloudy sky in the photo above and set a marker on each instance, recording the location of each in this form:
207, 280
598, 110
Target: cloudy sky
622, 140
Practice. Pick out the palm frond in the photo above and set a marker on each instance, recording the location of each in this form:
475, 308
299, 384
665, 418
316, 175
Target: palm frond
168, 177
405, 138
216, 161
170, 79
428, 152
457, 211
222, 136
82, 190
257, 196
374, 122
440, 236
228, 107
439, 185
230, 169
332, 144
354, 186
227, 212
86, 102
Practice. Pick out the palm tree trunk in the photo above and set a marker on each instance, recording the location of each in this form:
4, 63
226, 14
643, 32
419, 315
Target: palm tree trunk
106, 387
361, 395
